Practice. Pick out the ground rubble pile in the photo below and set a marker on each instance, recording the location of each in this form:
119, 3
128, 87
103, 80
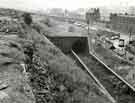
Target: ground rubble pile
14, 84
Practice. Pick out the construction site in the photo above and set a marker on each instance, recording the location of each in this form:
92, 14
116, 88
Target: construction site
55, 59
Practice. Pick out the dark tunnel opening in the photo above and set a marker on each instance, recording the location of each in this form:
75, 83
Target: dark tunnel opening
80, 46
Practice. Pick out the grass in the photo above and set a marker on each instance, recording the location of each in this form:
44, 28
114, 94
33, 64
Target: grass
56, 79
11, 72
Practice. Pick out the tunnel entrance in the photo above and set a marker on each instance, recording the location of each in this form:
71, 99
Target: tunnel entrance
80, 46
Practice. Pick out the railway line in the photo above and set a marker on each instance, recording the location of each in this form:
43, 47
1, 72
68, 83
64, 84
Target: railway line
113, 85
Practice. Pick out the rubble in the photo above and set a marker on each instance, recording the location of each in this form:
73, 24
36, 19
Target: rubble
14, 85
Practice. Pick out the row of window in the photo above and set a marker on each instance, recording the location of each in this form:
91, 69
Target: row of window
119, 19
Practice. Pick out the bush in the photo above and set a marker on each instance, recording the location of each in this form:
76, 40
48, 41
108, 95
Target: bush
27, 18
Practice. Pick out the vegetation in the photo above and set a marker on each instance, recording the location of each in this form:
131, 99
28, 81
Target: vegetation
53, 77
27, 18
14, 87
56, 79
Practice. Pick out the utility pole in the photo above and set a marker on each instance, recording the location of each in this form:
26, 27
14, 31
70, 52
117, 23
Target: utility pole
88, 28
88, 21
130, 34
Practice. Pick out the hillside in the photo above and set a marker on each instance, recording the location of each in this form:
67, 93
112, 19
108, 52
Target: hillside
33, 70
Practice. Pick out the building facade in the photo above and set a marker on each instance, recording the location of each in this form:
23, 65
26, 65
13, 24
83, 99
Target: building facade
92, 15
123, 23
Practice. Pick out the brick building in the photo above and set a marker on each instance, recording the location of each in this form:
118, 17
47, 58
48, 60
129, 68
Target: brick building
93, 15
123, 23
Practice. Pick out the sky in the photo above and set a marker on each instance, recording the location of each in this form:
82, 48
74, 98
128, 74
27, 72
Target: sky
65, 4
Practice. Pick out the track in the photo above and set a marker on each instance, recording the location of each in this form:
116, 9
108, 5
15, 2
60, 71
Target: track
106, 78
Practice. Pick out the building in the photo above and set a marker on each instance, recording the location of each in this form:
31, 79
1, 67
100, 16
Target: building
56, 12
131, 10
123, 23
93, 15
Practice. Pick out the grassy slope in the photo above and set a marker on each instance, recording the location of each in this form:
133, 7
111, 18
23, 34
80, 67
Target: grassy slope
56, 79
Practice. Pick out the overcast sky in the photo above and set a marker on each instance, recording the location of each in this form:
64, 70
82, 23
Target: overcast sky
68, 4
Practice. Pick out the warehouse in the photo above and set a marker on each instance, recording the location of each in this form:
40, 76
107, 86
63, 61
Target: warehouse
123, 23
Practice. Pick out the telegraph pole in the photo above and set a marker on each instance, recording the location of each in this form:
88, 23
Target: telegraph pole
130, 34
88, 20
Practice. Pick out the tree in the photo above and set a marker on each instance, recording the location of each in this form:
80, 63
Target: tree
27, 18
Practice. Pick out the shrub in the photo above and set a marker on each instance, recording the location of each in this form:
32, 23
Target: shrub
27, 18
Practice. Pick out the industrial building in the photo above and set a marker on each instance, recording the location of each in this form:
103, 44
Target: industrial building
93, 15
123, 23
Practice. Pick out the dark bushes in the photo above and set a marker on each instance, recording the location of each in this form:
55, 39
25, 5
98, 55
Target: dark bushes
27, 18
